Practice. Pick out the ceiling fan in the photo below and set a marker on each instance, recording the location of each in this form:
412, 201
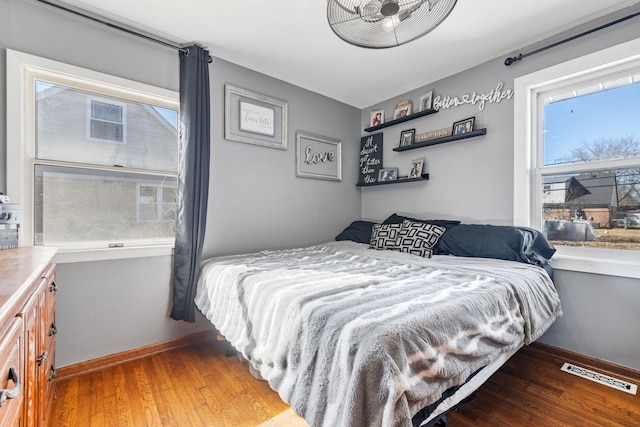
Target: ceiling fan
385, 23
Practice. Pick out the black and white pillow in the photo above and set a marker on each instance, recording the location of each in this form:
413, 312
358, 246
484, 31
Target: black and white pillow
384, 236
417, 238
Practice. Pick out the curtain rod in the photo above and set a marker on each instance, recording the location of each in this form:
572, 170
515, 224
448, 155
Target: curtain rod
513, 59
117, 26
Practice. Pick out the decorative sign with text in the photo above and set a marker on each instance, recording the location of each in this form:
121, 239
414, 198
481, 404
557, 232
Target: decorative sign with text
370, 158
480, 99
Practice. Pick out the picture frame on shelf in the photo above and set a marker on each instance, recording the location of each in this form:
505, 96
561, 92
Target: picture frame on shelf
318, 156
407, 137
426, 101
255, 118
416, 168
403, 109
463, 126
377, 118
387, 174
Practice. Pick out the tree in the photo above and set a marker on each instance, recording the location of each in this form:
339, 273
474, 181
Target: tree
627, 180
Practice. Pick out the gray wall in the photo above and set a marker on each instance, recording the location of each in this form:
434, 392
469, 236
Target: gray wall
472, 180
256, 201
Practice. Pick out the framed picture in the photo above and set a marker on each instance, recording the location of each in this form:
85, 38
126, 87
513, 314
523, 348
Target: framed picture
416, 168
463, 126
406, 137
318, 156
426, 101
254, 118
377, 118
403, 109
387, 174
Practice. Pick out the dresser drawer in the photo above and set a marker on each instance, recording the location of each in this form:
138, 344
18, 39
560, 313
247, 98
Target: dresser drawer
11, 374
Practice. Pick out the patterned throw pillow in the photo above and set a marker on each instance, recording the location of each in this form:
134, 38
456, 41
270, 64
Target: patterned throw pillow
418, 239
384, 236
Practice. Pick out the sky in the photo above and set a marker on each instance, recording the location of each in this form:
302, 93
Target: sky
610, 113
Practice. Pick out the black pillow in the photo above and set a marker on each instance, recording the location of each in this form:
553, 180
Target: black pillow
398, 219
520, 244
358, 231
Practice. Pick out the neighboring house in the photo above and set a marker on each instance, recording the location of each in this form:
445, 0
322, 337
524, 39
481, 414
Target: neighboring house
78, 127
590, 196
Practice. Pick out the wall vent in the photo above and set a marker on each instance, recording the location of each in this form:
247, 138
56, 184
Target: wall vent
616, 383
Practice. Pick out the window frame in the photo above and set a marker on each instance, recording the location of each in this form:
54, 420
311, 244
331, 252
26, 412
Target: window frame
22, 70
528, 147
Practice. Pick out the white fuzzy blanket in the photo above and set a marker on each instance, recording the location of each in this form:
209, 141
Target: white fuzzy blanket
351, 336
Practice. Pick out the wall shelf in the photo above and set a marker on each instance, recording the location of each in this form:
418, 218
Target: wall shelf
401, 120
423, 177
472, 134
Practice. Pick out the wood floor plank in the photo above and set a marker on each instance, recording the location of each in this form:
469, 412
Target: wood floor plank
198, 386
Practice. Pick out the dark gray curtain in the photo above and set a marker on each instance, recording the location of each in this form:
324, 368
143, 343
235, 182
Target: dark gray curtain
193, 178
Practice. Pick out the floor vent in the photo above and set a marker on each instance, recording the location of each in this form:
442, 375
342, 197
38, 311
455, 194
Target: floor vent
616, 383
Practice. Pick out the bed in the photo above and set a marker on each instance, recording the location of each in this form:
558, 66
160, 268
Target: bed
391, 324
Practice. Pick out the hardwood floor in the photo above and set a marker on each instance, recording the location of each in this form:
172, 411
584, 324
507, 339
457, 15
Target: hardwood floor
199, 386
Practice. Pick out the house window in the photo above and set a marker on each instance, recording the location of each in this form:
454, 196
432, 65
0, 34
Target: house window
78, 189
106, 120
157, 203
577, 154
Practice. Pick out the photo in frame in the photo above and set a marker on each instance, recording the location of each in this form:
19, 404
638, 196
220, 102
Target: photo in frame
255, 118
463, 126
416, 168
318, 156
377, 118
407, 137
403, 109
426, 101
388, 174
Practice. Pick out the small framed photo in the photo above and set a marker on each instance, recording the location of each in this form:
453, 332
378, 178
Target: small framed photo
416, 168
426, 101
387, 174
377, 118
406, 137
463, 126
403, 109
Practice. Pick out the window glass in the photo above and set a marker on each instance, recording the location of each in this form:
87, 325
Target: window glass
590, 171
73, 126
84, 205
592, 123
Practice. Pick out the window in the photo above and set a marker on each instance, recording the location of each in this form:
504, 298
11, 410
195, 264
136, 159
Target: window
106, 120
577, 159
97, 164
157, 203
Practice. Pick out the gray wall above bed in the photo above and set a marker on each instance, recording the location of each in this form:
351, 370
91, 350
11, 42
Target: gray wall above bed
472, 180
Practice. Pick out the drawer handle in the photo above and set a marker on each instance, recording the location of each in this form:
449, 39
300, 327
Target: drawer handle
42, 358
53, 330
53, 373
53, 287
13, 392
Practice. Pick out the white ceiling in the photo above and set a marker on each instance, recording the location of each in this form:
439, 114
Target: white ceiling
291, 40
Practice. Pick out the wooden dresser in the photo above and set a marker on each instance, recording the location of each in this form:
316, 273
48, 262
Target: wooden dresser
27, 336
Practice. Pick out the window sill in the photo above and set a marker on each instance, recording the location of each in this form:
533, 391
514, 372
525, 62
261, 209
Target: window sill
104, 254
606, 262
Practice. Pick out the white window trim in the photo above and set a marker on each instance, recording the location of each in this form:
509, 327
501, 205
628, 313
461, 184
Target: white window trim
90, 100
590, 260
22, 68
